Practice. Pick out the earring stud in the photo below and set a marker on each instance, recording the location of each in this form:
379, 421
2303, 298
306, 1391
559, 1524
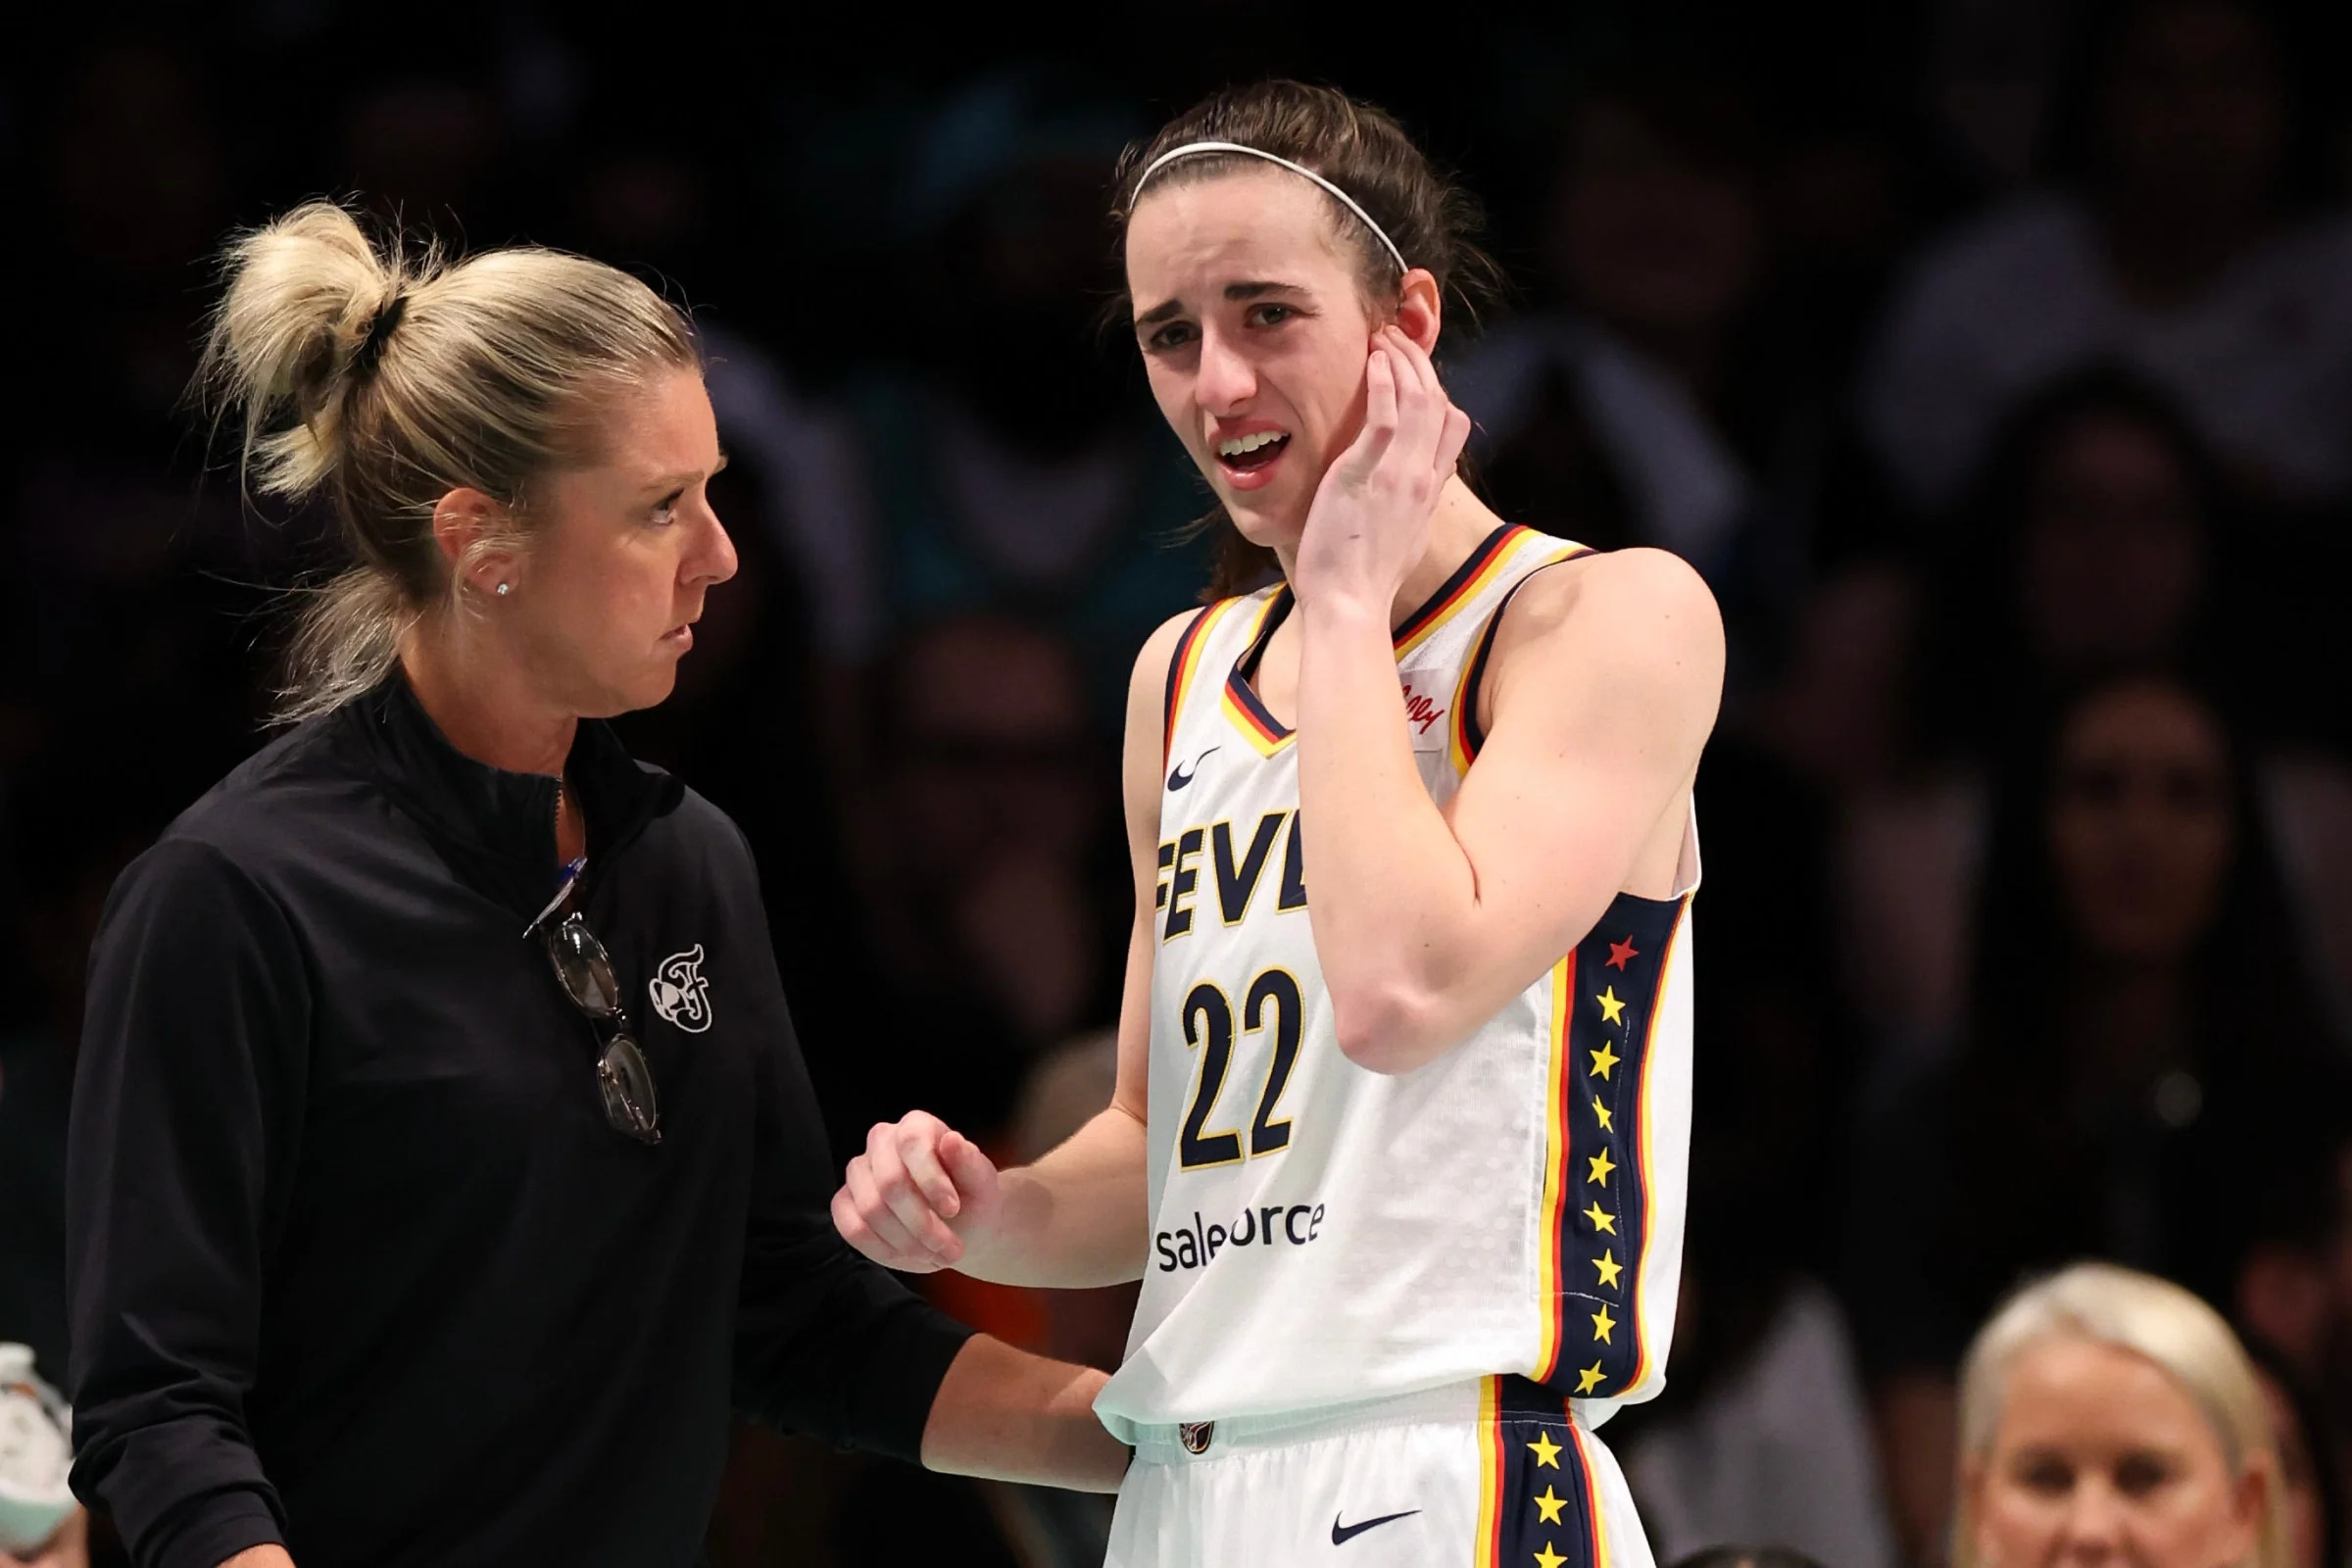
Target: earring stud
503, 589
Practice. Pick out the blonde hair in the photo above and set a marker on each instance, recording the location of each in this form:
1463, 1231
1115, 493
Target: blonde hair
2154, 1319
387, 376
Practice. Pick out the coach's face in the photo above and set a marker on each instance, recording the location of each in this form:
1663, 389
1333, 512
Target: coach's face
618, 553
1256, 333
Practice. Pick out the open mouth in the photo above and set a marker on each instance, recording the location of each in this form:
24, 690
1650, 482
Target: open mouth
1251, 454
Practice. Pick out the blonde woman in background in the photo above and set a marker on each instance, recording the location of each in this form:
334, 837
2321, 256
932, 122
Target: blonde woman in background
2107, 1415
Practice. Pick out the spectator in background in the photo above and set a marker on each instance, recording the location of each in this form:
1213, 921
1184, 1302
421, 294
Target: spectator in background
2090, 543
2138, 1014
2094, 542
2106, 1415
1012, 464
2294, 1299
984, 855
2179, 240
2308, 1450
1647, 406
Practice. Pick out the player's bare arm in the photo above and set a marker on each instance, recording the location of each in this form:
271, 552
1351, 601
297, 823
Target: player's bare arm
1603, 686
924, 1198
1013, 1416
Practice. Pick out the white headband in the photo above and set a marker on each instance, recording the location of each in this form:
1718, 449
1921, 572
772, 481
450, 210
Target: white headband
1193, 149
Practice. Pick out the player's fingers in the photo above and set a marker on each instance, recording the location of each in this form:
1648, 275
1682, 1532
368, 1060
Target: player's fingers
1420, 408
1416, 359
930, 1178
886, 1164
888, 1229
1450, 444
974, 1173
859, 1234
1380, 394
846, 1219
1412, 388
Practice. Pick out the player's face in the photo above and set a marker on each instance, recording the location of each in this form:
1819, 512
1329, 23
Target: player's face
625, 550
2101, 1458
1255, 334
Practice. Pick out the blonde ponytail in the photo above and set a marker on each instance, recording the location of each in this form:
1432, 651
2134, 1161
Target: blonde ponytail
386, 378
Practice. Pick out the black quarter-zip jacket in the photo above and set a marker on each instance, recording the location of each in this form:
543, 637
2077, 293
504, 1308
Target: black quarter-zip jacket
356, 1262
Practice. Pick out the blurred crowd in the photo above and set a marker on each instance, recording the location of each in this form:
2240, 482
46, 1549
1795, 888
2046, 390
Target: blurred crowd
1992, 359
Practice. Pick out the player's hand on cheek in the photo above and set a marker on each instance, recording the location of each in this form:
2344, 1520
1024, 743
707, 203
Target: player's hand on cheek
917, 1191
1368, 525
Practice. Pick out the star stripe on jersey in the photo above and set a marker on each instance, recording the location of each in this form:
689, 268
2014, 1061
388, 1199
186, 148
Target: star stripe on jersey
1591, 1270
1538, 1500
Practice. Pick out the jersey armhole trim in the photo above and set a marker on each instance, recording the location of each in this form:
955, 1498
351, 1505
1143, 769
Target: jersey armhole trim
1469, 736
1183, 663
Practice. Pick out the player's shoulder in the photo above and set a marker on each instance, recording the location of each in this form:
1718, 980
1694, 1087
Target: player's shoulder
1655, 592
1160, 646
1637, 625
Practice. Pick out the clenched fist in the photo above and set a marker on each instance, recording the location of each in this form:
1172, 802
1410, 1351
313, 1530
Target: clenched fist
919, 1197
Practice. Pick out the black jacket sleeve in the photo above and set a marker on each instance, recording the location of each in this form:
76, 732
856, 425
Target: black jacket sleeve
189, 1081
828, 1343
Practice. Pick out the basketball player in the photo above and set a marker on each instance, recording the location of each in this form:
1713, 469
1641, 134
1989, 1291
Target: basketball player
1399, 1142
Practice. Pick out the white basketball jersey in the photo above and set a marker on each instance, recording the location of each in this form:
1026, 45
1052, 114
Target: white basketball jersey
1324, 1233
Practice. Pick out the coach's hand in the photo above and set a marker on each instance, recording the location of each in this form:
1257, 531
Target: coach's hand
917, 1197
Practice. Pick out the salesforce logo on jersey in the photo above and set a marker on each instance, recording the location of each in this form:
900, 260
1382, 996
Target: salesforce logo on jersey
1267, 1225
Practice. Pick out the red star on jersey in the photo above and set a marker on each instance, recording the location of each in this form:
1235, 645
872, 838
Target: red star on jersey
1620, 952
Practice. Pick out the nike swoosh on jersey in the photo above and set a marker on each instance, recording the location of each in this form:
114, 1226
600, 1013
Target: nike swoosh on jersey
1341, 1534
1180, 778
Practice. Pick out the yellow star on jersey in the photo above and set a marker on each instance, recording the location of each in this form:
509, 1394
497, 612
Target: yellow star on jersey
1601, 1219
1602, 1323
1609, 1267
1547, 1452
1603, 1059
1589, 1379
1599, 1168
1549, 1505
1612, 1011
1549, 1558
1600, 1112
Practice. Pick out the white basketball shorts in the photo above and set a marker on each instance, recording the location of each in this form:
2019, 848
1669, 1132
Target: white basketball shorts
1490, 1474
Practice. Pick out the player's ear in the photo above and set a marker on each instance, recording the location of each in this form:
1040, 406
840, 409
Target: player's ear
1420, 307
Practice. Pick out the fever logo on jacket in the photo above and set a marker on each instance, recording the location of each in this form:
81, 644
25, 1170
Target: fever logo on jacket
681, 995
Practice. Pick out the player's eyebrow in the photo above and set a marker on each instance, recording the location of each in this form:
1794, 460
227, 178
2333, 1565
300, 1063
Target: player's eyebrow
1237, 292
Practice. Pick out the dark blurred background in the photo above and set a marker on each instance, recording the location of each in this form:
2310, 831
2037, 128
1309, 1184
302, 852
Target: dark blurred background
1991, 357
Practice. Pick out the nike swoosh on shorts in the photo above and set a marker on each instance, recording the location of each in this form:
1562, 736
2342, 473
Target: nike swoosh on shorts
1341, 1534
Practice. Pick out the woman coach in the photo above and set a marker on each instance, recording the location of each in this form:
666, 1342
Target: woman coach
443, 1166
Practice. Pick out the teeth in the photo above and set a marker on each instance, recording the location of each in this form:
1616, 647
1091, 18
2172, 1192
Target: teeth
1240, 446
